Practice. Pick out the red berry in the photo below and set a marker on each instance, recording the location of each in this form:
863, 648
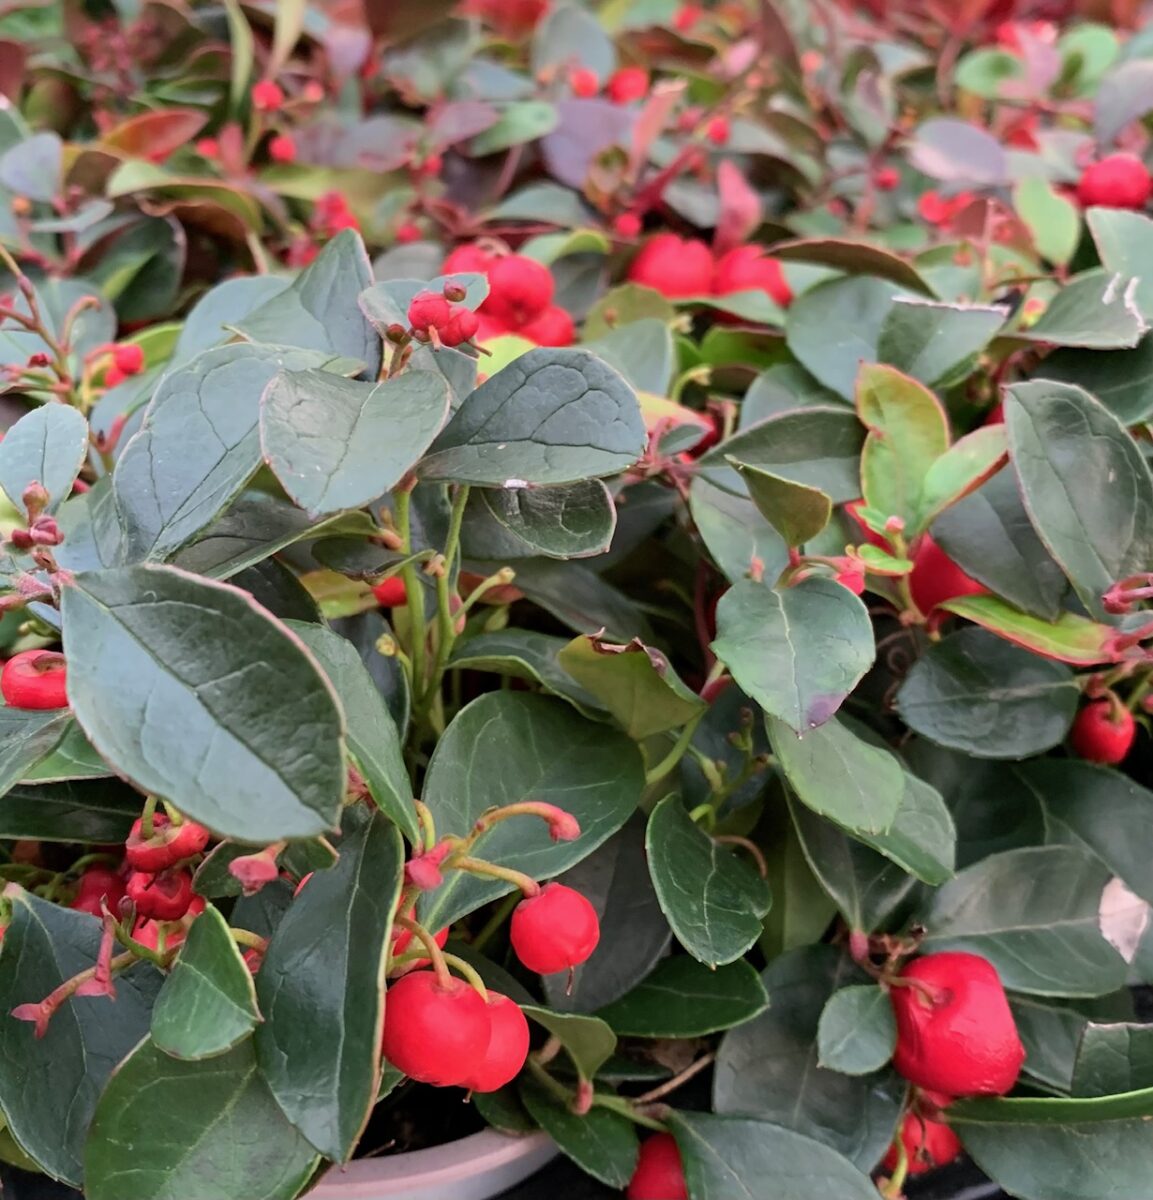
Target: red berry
928, 1144
507, 1046
520, 289
717, 131
129, 358
687, 16
114, 376
659, 1174
163, 897
955, 1031
1103, 731
469, 259
628, 84
434, 1033
168, 845
407, 232
208, 147
936, 578
282, 149
1119, 181
390, 592
147, 932
887, 179
749, 268
584, 82
98, 884
676, 267
267, 96
428, 310
35, 679
627, 225
554, 930
554, 327
462, 326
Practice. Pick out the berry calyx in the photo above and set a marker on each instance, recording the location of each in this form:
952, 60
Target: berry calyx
955, 1030
660, 1174
627, 85
435, 1031
390, 592
676, 267
96, 885
555, 930
584, 82
520, 289
1118, 181
928, 1144
163, 897
507, 1046
554, 327
749, 268
35, 679
168, 845
282, 149
936, 578
267, 96
1103, 731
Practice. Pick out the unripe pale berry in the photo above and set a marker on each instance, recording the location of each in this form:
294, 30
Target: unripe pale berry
955, 1030
34, 679
676, 267
507, 1046
1103, 731
1119, 181
660, 1175
554, 930
928, 1144
434, 1033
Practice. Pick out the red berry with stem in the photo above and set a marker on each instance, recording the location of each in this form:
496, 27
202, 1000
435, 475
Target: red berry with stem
554, 930
936, 578
168, 845
98, 884
1103, 731
1118, 181
435, 1032
163, 897
955, 1030
390, 592
627, 85
129, 358
507, 1046
676, 267
282, 149
267, 96
402, 940
520, 289
660, 1174
928, 1144
584, 82
35, 679
554, 327
749, 269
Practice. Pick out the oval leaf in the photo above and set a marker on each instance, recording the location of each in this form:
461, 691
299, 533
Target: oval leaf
857, 1033
46, 446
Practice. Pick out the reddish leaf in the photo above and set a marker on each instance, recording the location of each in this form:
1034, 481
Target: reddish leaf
156, 135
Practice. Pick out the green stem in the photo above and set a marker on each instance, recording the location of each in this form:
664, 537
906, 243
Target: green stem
469, 972
680, 747
494, 923
146, 826
446, 618
245, 937
413, 589
625, 1108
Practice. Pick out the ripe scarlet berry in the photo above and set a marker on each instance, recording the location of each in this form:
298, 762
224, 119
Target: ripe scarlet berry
163, 897
928, 1144
1119, 181
628, 84
390, 592
554, 327
887, 179
468, 259
936, 578
168, 845
955, 1031
453, 323
267, 96
1103, 731
147, 931
208, 147
627, 225
674, 266
282, 149
660, 1174
717, 131
35, 679
554, 930
520, 289
97, 884
748, 268
407, 232
129, 358
434, 1033
507, 1046
584, 82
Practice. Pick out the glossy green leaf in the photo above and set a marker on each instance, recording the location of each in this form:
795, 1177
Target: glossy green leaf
520, 121
509, 747
199, 444
373, 738
1113, 1059
988, 533
781, 388
1098, 535
582, 600
588, 1041
642, 350
634, 682
1121, 379
231, 1139
1124, 241
974, 693
1096, 310
797, 651
797, 512
552, 416
732, 529
1054, 223
601, 1142
88, 811
922, 838
571, 520
963, 468
208, 1002
337, 443
713, 900
321, 310
684, 998
71, 758
44, 945
27, 736
768, 1067
839, 775
46, 446
908, 433
250, 739
1034, 914
936, 343
857, 1033
726, 1157
1071, 638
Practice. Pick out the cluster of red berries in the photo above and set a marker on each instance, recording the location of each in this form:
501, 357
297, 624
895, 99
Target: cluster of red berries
35, 679
159, 880
127, 359
441, 319
624, 86
267, 96
520, 295
681, 268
